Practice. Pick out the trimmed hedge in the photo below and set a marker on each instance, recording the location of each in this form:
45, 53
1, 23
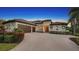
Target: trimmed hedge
14, 37
19, 36
76, 34
9, 39
1, 39
59, 32
18, 30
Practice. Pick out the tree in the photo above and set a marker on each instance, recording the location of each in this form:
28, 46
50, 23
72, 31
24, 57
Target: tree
74, 18
2, 27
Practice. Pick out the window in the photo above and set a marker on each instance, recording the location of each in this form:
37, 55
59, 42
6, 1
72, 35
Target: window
63, 27
51, 27
56, 27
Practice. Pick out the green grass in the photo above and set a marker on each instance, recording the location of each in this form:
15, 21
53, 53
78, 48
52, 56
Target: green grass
6, 46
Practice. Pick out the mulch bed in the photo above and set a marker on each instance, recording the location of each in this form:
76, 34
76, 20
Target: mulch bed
76, 40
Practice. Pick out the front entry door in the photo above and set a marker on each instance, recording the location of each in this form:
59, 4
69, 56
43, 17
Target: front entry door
46, 28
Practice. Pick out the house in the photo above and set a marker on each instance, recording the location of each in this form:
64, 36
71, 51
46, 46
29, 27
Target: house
34, 26
26, 26
42, 26
58, 27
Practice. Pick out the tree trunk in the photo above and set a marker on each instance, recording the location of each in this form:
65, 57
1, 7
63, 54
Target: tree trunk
74, 26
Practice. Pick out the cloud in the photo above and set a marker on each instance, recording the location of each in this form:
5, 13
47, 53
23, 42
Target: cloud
33, 19
59, 20
53, 20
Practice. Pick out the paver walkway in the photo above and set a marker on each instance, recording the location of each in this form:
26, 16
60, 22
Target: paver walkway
46, 42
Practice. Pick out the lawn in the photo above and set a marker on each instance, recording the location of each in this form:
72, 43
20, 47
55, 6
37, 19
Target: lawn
6, 46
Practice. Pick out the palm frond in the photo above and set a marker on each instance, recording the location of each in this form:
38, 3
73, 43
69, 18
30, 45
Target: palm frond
73, 10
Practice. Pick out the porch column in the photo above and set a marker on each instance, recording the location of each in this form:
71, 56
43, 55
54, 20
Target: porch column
43, 29
49, 28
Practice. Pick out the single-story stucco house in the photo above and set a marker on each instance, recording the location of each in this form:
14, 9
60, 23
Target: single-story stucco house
34, 26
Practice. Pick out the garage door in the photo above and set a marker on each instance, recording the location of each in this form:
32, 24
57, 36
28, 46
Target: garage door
25, 28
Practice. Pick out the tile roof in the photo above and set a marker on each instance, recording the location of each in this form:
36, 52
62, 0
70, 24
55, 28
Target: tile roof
18, 20
58, 23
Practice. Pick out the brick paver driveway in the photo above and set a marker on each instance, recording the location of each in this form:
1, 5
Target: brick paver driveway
46, 42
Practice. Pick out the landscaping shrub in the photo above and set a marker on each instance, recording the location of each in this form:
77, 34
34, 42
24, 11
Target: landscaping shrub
9, 38
76, 34
9, 33
18, 30
19, 36
1, 39
59, 32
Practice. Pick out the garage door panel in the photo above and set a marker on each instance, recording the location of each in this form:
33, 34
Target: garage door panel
25, 28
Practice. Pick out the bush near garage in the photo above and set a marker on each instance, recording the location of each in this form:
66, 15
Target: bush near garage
11, 37
19, 33
19, 36
59, 32
1, 38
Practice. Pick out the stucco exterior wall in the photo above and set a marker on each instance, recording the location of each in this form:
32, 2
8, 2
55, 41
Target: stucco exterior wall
39, 28
61, 28
69, 24
42, 27
12, 25
46, 23
22, 24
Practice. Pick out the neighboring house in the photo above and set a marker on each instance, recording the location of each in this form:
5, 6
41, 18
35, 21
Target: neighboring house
58, 27
18, 23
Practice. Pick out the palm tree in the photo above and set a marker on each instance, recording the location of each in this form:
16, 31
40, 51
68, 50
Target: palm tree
74, 18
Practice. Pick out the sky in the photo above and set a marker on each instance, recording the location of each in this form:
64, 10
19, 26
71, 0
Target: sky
35, 13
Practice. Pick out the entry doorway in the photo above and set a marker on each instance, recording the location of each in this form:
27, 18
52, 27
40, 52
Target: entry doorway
33, 29
46, 28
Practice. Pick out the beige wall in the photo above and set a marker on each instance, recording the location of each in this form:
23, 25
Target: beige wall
22, 24
46, 23
69, 24
61, 28
12, 25
41, 27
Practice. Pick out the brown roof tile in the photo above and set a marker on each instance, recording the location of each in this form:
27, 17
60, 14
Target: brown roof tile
18, 20
59, 23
